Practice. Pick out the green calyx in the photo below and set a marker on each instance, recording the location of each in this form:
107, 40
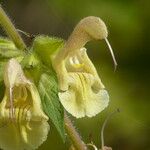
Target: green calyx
45, 47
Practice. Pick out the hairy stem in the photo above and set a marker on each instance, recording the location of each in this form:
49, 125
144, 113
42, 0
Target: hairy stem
73, 134
10, 30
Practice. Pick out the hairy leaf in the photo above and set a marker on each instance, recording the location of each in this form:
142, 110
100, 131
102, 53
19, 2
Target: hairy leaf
48, 89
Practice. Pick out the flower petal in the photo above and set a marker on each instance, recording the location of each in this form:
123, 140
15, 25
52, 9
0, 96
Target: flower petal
82, 99
27, 131
29, 127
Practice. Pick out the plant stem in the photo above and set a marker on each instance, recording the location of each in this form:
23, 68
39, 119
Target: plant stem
10, 30
73, 134
103, 127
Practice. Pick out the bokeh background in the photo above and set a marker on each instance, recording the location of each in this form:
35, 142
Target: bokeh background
128, 23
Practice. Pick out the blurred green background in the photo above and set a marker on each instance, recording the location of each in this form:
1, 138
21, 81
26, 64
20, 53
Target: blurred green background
128, 23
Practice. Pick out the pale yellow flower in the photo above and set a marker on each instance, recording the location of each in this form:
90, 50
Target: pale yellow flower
81, 91
23, 124
86, 95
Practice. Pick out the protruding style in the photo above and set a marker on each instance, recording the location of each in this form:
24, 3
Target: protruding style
112, 54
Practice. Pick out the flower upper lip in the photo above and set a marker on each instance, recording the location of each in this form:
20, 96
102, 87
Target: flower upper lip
86, 30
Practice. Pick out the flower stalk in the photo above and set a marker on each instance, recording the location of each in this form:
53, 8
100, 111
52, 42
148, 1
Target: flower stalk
10, 30
74, 135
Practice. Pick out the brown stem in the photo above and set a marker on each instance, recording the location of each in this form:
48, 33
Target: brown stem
73, 134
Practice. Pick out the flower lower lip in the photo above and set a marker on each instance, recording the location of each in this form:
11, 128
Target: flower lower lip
20, 115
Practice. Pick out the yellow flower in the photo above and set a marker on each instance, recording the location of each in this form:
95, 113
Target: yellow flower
85, 95
23, 124
81, 91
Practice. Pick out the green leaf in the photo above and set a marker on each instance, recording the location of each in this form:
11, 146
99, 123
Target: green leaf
48, 90
8, 49
46, 46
